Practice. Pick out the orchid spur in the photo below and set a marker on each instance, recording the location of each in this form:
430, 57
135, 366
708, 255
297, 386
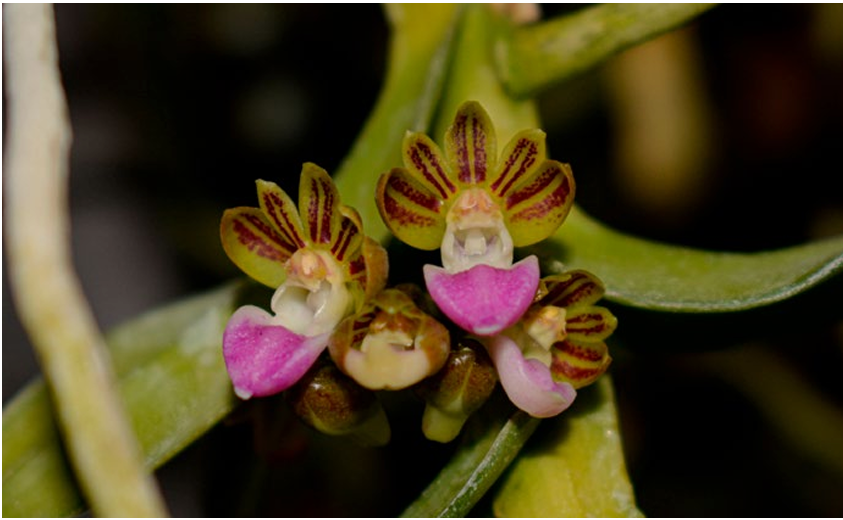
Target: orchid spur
476, 208
321, 266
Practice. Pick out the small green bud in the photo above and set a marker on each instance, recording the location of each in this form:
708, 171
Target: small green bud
456, 391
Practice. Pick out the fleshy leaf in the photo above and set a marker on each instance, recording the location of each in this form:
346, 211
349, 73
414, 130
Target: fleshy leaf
282, 213
527, 382
681, 279
538, 206
471, 145
253, 244
578, 471
319, 203
484, 300
263, 358
411, 210
578, 362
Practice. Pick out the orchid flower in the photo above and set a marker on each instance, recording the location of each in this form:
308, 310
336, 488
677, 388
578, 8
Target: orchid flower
557, 347
321, 266
476, 208
390, 344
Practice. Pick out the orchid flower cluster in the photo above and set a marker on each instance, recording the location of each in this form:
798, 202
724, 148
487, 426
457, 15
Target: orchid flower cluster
336, 334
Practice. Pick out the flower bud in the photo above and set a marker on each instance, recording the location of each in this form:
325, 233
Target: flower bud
332, 403
456, 391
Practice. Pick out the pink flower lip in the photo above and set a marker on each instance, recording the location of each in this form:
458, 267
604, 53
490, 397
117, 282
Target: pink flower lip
484, 300
527, 382
263, 358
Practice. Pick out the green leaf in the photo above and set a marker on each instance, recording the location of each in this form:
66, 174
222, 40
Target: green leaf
420, 47
656, 276
576, 469
534, 57
174, 385
477, 464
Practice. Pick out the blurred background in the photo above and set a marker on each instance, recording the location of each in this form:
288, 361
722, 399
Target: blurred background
724, 135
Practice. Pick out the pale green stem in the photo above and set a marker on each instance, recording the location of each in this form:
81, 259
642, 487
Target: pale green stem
473, 469
105, 454
533, 58
172, 378
420, 47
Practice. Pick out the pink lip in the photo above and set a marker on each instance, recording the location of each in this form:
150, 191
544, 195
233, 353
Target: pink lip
264, 359
484, 300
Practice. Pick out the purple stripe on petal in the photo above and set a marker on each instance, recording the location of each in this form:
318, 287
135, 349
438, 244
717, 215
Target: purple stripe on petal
265, 359
484, 300
527, 382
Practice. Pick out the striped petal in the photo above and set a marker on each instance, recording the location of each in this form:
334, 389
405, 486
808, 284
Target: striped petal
537, 206
281, 212
412, 209
349, 238
590, 323
484, 300
519, 161
263, 358
255, 246
319, 203
528, 382
426, 164
579, 363
571, 289
471, 145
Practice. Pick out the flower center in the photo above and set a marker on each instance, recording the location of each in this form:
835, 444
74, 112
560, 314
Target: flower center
313, 299
475, 234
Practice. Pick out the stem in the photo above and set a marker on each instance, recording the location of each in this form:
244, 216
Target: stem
473, 469
105, 453
420, 49
533, 58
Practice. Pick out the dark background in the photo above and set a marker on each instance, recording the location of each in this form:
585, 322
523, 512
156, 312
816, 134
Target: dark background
176, 110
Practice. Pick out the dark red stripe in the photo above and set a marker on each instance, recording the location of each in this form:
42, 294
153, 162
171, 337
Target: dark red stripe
399, 213
459, 130
347, 233
256, 243
411, 193
438, 178
525, 153
575, 373
581, 320
559, 296
578, 352
556, 199
275, 210
479, 152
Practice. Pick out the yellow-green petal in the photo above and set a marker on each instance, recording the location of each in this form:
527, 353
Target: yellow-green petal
253, 244
571, 288
281, 212
537, 207
411, 209
520, 159
319, 203
590, 323
579, 363
471, 145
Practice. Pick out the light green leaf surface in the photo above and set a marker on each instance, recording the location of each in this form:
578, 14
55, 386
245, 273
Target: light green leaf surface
173, 383
535, 57
576, 469
663, 277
